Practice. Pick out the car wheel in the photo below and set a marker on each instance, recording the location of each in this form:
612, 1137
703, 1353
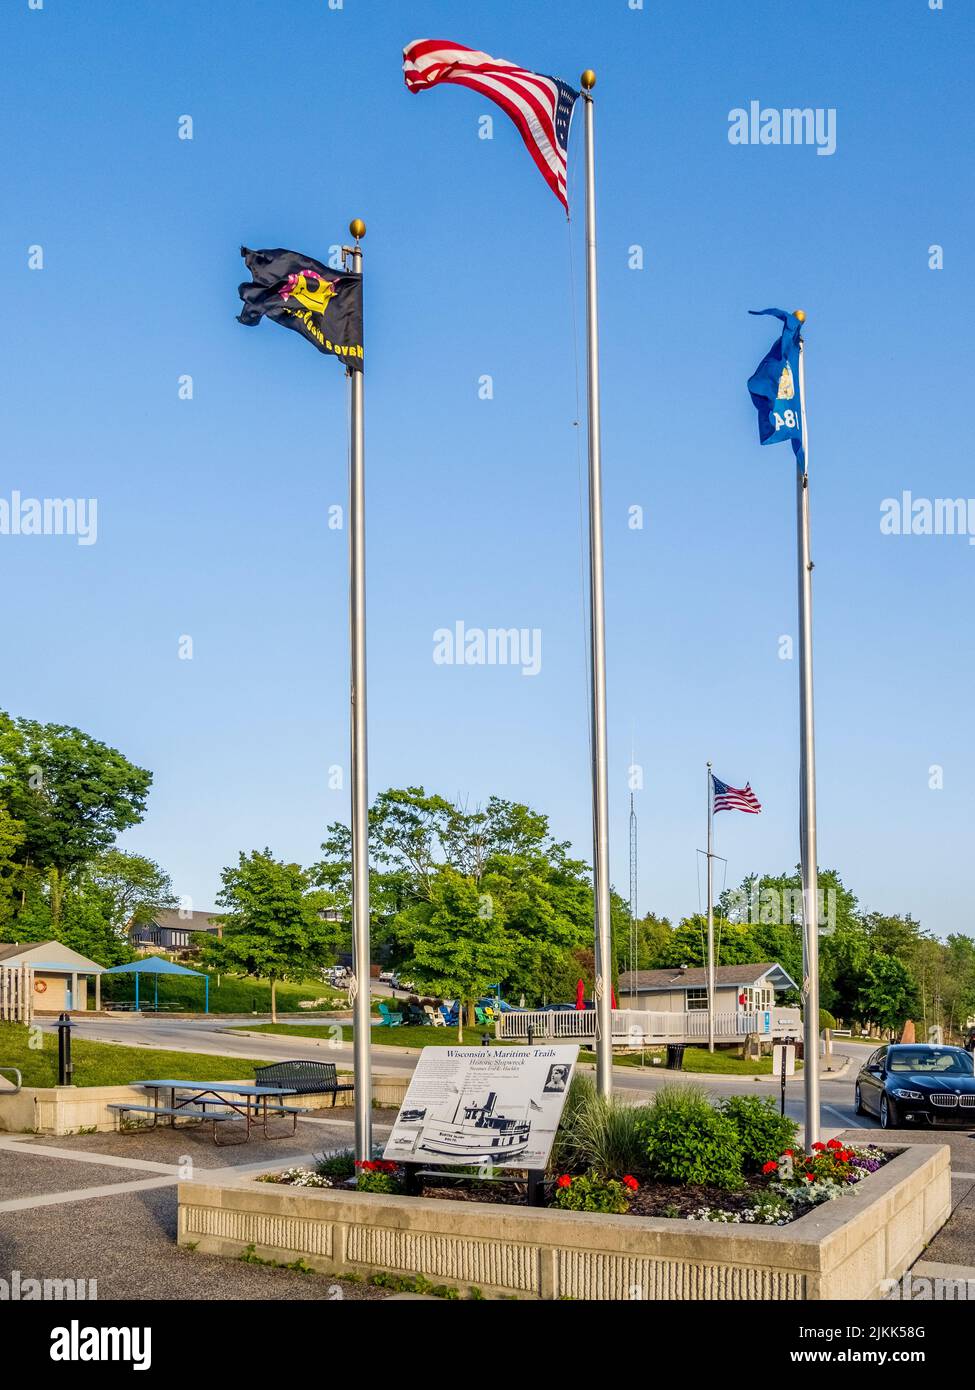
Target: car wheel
888, 1113
858, 1101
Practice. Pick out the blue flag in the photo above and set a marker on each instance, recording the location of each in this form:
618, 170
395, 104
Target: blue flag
774, 387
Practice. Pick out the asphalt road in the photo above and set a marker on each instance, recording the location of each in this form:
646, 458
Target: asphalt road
217, 1038
207, 1035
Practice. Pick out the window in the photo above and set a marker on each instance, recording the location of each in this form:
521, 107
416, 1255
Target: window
697, 999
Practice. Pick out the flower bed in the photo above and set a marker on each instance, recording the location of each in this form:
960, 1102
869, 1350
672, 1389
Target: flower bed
784, 1189
847, 1249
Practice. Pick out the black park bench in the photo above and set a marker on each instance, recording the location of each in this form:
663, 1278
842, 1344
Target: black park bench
305, 1078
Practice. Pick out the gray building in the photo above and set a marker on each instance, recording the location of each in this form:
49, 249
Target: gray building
684, 988
174, 930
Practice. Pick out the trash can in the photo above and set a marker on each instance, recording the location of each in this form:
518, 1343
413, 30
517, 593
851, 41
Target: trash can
675, 1056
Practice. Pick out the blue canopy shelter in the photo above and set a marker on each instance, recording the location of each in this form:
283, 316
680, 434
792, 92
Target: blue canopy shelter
156, 966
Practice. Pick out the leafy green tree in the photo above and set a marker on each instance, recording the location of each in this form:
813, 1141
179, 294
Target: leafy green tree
455, 940
887, 995
135, 888
506, 849
87, 926
71, 793
271, 926
11, 839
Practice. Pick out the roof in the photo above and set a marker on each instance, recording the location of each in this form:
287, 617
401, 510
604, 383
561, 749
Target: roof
47, 955
152, 965
178, 919
696, 976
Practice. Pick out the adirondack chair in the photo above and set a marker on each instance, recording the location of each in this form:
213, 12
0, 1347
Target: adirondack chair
479, 1015
390, 1019
435, 1016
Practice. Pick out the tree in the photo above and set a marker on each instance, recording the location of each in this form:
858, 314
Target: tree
887, 994
505, 849
456, 940
71, 793
11, 839
271, 928
87, 927
135, 887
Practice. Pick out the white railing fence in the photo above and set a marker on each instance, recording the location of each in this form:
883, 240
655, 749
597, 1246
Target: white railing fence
639, 1027
16, 994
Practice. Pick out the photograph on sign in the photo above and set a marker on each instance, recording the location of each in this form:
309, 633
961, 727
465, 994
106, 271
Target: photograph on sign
483, 1105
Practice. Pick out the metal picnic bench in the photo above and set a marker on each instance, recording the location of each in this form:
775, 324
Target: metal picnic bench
246, 1102
305, 1078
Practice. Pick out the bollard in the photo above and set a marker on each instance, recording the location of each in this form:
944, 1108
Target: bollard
65, 1067
531, 1036
485, 1040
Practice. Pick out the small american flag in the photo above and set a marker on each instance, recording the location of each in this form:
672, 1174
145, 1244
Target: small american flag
734, 798
541, 107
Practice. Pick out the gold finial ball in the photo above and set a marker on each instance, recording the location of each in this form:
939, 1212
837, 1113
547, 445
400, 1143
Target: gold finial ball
358, 228
800, 314
588, 80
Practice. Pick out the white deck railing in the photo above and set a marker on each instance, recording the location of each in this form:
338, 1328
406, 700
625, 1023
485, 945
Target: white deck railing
16, 994
639, 1027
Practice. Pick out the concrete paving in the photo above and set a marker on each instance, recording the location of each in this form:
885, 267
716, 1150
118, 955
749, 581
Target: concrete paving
127, 1242
104, 1207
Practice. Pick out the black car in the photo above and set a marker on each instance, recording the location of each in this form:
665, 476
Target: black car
915, 1083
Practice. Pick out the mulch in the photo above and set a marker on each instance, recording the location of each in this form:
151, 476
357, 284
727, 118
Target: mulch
651, 1199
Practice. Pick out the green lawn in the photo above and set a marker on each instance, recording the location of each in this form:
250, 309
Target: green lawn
388, 1037
696, 1060
107, 1064
235, 994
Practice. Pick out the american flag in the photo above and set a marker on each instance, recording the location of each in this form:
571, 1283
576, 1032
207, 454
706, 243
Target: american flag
734, 798
541, 107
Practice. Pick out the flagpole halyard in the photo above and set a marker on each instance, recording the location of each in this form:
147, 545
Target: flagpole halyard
807, 782
361, 962
600, 761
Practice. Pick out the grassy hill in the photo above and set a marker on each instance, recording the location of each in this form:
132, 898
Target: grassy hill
235, 994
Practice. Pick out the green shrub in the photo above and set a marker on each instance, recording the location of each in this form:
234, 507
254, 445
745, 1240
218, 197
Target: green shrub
336, 1166
377, 1175
590, 1192
597, 1134
826, 1019
686, 1140
763, 1132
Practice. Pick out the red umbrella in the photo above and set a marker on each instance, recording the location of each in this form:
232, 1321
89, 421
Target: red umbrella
612, 995
580, 995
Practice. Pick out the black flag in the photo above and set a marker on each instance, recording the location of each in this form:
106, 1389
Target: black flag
324, 306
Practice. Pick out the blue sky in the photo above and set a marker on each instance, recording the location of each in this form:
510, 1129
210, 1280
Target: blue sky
212, 512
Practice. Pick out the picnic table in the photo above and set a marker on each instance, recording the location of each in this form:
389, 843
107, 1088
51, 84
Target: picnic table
227, 1100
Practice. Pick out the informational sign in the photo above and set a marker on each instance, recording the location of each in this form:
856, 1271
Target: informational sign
498, 1106
784, 1053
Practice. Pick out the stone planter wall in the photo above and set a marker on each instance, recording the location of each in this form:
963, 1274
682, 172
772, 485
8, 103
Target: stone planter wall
844, 1249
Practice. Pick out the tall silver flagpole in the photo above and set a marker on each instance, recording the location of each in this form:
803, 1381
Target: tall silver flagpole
710, 971
600, 764
362, 1060
807, 783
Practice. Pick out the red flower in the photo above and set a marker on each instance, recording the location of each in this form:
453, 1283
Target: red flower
787, 1154
564, 1181
630, 1182
819, 1148
810, 1177
834, 1144
770, 1167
